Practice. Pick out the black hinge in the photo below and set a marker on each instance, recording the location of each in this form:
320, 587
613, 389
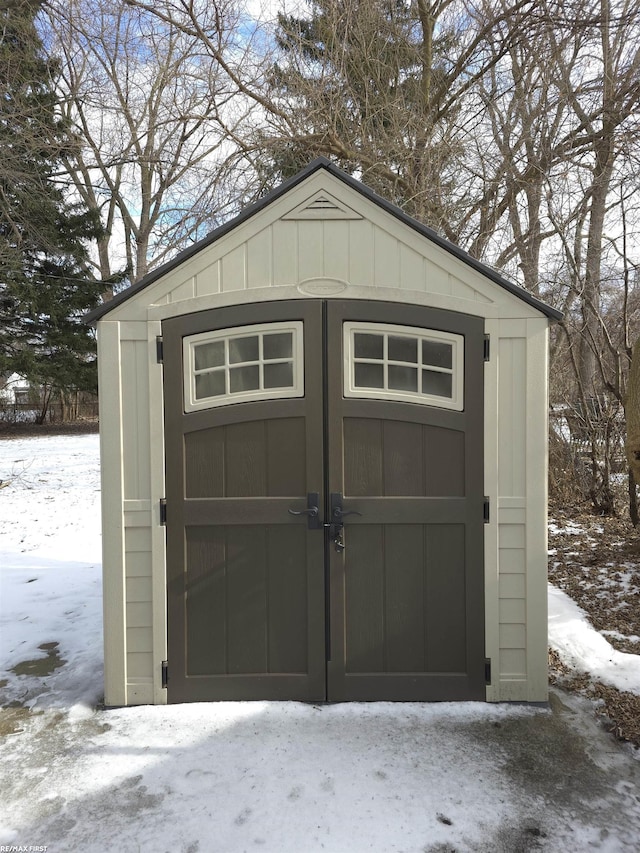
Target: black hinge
160, 349
165, 673
485, 511
487, 670
163, 510
486, 353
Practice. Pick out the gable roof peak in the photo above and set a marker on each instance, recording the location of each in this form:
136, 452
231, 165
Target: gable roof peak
323, 163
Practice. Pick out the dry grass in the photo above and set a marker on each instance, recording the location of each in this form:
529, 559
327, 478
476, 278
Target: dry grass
30, 430
596, 561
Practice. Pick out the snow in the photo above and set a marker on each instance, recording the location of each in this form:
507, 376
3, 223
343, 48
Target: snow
579, 645
268, 776
51, 583
570, 528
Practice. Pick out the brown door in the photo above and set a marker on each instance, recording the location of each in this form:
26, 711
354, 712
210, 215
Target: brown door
377, 594
245, 577
407, 591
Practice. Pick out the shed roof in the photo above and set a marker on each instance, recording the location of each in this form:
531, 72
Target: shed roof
358, 186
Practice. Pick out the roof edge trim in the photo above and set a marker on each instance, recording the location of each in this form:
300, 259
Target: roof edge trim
251, 210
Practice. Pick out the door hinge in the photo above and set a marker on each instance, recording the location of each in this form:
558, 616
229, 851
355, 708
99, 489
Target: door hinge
487, 670
165, 673
163, 511
486, 352
160, 349
486, 511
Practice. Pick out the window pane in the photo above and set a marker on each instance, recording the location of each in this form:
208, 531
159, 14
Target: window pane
244, 379
243, 349
438, 384
278, 375
403, 378
368, 346
437, 354
210, 385
209, 355
369, 376
403, 349
277, 346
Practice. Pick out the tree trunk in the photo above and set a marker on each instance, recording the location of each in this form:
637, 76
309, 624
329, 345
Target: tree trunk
45, 402
633, 500
632, 413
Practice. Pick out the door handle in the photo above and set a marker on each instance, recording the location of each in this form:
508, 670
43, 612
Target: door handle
337, 511
312, 511
336, 526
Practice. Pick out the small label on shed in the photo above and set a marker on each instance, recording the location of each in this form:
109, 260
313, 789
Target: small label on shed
322, 286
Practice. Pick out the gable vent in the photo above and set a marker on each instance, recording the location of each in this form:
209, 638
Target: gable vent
322, 205
321, 202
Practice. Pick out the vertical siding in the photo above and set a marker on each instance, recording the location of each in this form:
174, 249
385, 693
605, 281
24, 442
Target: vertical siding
113, 545
461, 290
138, 353
522, 414
411, 269
310, 249
234, 269
285, 252
438, 280
386, 256
335, 260
289, 252
208, 280
260, 259
135, 411
186, 290
512, 416
360, 254
537, 442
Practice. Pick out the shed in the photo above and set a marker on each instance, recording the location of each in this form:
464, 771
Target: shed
324, 464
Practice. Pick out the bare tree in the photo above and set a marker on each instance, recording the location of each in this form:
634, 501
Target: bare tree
602, 90
156, 120
384, 88
558, 176
509, 127
604, 98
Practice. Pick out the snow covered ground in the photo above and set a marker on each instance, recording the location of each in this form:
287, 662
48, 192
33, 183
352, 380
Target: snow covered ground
582, 648
267, 776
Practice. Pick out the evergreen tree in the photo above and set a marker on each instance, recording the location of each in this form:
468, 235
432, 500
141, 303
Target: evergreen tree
389, 90
45, 285
366, 84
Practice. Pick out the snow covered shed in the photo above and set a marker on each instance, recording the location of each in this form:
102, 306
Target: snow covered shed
324, 464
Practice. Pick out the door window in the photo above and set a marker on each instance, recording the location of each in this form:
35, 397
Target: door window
261, 362
404, 363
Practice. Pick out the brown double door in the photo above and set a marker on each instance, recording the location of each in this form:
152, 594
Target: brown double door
377, 595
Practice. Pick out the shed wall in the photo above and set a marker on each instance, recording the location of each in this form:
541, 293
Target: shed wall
515, 480
274, 251
133, 540
359, 252
286, 252
515, 449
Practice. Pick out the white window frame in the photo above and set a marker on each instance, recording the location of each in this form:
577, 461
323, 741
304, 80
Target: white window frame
455, 402
192, 404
